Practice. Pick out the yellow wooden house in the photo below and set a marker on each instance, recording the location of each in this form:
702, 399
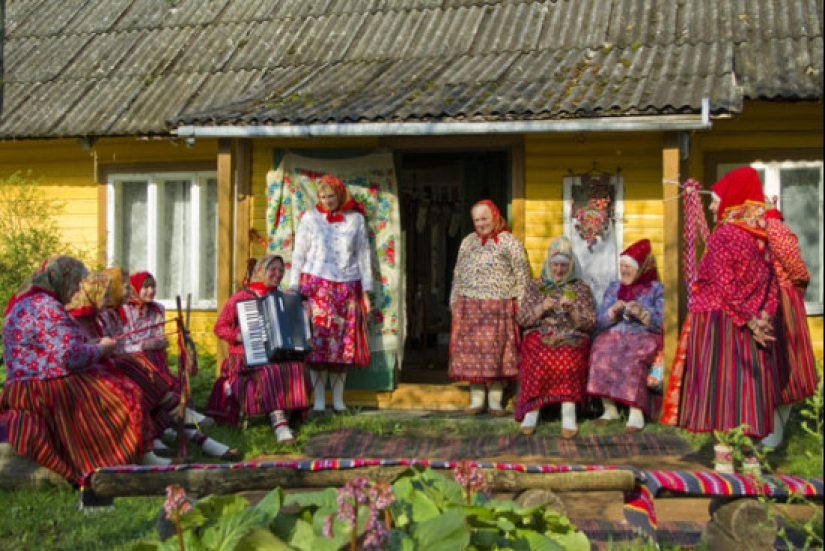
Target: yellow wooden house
162, 128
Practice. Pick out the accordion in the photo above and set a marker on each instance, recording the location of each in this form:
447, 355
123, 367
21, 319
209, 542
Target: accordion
274, 328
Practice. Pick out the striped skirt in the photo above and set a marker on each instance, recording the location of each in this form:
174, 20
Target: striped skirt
76, 424
795, 355
550, 374
257, 391
339, 324
155, 387
728, 378
484, 340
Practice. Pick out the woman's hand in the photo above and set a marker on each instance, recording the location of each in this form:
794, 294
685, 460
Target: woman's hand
762, 329
616, 310
159, 343
367, 303
108, 346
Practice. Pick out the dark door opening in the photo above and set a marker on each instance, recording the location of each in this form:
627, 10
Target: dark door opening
436, 191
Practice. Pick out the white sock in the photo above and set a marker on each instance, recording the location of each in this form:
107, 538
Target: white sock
476, 395
494, 394
568, 416
159, 444
151, 459
531, 419
213, 448
636, 419
338, 381
193, 416
318, 379
171, 434
610, 411
775, 439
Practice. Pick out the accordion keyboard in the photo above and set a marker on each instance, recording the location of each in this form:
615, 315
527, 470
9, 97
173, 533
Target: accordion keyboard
252, 333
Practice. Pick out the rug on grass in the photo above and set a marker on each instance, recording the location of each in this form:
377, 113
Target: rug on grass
587, 448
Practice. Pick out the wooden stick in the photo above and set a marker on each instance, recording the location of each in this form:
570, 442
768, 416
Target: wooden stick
180, 457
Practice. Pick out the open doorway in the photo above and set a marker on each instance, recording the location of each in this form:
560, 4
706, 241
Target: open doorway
436, 191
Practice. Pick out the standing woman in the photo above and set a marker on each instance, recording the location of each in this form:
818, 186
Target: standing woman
490, 275
331, 265
558, 313
795, 355
271, 389
61, 408
730, 369
630, 321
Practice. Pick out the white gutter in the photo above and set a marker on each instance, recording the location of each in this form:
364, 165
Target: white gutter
334, 130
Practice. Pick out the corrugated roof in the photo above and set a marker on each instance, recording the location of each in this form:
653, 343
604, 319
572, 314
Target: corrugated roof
127, 67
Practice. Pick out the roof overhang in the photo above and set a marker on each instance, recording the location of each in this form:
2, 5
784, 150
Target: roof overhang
652, 123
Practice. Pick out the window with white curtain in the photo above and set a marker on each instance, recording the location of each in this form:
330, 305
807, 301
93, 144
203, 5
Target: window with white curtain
166, 223
797, 188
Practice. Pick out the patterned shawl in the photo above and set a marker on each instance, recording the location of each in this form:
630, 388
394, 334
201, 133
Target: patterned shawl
560, 246
92, 295
116, 295
58, 276
742, 201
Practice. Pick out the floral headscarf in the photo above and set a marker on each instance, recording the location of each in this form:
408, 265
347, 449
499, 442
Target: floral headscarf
116, 295
57, 276
560, 249
258, 280
499, 223
742, 201
345, 200
91, 297
640, 253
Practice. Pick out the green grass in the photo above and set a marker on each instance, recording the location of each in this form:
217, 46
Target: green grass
48, 518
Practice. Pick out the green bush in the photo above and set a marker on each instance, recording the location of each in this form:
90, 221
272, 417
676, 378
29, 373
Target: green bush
28, 232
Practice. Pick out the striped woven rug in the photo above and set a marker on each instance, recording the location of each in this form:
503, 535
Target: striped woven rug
590, 447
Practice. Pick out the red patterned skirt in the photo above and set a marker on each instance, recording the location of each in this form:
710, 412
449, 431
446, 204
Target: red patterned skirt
550, 375
619, 365
795, 355
339, 325
158, 400
728, 378
484, 340
257, 391
75, 424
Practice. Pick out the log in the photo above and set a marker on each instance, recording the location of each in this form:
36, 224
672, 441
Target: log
201, 482
20, 472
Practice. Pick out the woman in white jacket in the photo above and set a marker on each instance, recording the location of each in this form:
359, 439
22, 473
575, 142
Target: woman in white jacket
331, 266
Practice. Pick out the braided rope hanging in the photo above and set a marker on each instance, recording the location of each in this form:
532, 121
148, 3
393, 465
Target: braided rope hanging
696, 226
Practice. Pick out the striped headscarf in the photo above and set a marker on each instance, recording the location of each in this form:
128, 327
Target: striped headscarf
560, 250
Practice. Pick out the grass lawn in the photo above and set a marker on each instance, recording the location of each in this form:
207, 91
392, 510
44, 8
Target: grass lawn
49, 519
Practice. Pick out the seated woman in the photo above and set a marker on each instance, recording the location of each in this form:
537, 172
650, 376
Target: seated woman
558, 313
62, 408
94, 308
271, 389
145, 332
630, 318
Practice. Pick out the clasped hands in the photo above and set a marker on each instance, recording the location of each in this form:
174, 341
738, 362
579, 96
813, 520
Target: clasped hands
550, 304
762, 329
631, 308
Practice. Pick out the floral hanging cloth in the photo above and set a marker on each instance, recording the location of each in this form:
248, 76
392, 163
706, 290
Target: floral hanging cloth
592, 220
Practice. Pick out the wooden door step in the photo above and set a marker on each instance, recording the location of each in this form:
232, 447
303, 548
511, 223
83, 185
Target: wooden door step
440, 397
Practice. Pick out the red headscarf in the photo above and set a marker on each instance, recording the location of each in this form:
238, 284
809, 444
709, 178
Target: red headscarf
742, 201
136, 281
499, 223
647, 274
345, 200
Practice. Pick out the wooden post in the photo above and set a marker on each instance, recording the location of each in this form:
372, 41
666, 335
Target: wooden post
226, 230
671, 264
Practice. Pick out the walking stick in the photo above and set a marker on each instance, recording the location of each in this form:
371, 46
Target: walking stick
186, 366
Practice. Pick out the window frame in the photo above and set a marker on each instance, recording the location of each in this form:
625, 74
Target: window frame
154, 177
770, 162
